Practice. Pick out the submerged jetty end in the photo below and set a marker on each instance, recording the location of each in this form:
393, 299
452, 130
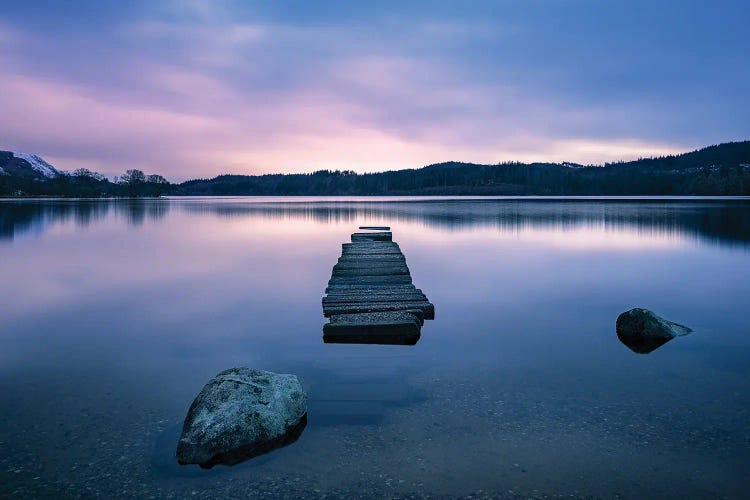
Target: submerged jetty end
370, 298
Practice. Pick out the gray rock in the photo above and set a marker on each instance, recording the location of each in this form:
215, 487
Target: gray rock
242, 413
643, 330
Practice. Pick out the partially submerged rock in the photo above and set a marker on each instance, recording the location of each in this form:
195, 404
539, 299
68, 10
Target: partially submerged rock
643, 330
242, 413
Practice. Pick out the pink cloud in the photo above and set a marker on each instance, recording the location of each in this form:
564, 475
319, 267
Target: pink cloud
225, 131
368, 112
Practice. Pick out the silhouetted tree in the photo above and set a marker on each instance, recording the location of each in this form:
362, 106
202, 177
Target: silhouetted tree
715, 170
157, 184
133, 180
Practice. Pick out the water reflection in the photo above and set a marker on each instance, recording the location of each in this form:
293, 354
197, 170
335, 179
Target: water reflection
24, 218
107, 328
242, 454
720, 221
642, 345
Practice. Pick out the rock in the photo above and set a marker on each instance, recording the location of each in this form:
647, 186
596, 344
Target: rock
242, 413
643, 330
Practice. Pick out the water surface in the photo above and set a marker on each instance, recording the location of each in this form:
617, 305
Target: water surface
115, 313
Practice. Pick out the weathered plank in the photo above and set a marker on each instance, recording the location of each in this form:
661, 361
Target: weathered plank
384, 253
347, 288
376, 228
400, 327
357, 264
375, 293
374, 236
370, 280
360, 259
369, 299
370, 248
426, 307
372, 253
371, 271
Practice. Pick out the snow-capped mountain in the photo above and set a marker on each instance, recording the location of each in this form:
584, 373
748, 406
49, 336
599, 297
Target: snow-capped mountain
26, 165
38, 164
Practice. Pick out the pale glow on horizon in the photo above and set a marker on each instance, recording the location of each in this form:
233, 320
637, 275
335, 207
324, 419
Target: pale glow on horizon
199, 146
205, 127
368, 151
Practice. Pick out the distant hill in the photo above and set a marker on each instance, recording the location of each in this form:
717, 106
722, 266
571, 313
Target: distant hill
716, 170
26, 165
721, 170
26, 174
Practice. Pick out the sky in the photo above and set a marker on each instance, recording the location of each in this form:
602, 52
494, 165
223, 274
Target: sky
196, 89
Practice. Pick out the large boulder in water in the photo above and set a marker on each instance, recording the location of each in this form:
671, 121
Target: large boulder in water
643, 330
242, 413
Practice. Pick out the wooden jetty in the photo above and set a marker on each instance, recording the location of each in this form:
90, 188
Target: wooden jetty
370, 298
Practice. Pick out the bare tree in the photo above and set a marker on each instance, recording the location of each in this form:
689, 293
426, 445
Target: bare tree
157, 183
133, 180
85, 172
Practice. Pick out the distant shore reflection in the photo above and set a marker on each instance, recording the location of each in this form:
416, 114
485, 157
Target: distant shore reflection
716, 221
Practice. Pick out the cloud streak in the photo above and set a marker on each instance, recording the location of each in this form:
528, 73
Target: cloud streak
218, 88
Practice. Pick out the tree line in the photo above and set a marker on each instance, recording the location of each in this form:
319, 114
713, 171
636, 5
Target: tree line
84, 183
721, 170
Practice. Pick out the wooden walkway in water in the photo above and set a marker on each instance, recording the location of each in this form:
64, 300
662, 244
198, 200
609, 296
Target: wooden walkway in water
370, 298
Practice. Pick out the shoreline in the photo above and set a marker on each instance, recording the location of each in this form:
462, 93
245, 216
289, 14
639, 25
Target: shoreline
391, 198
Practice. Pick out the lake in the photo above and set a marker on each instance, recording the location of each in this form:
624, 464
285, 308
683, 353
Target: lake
114, 314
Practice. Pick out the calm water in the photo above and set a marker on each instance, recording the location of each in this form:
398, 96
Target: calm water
114, 314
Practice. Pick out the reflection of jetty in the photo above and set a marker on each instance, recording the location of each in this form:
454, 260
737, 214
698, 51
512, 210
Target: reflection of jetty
370, 297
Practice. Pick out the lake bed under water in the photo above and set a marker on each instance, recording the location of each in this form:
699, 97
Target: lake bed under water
114, 314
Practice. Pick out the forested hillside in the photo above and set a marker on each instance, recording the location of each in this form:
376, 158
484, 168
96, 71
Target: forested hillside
720, 170
715, 170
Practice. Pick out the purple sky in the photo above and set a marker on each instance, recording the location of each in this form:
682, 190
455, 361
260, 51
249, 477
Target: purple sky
195, 89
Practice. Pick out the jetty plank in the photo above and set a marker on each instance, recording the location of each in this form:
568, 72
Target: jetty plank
375, 228
400, 327
369, 264
348, 288
371, 258
368, 247
341, 298
371, 271
374, 280
358, 307
375, 236
378, 297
